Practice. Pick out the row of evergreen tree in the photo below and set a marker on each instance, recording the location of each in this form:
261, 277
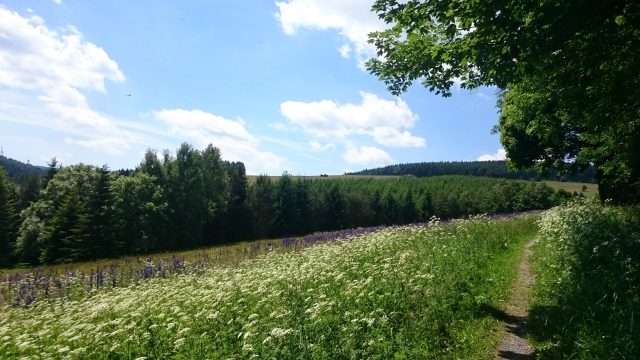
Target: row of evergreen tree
494, 169
194, 198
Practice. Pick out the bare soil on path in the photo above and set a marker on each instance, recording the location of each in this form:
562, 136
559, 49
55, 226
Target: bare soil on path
514, 346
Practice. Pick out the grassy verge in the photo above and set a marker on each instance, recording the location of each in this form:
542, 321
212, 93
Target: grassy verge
587, 291
411, 292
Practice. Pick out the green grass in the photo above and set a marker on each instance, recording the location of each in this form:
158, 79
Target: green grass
252, 178
592, 189
401, 293
586, 299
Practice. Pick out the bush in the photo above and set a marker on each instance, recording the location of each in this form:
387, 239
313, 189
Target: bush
588, 280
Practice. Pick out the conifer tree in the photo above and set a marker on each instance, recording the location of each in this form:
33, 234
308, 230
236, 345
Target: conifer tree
61, 236
287, 211
9, 221
96, 227
238, 215
263, 206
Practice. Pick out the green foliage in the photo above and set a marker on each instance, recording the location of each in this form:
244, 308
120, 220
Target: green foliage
195, 198
96, 225
262, 198
288, 221
8, 221
494, 169
566, 102
139, 213
62, 240
586, 295
17, 171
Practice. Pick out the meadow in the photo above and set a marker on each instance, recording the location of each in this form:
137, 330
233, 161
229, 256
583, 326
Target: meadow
587, 291
591, 191
412, 292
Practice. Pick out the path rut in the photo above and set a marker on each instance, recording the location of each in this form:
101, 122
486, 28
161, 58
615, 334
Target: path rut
514, 346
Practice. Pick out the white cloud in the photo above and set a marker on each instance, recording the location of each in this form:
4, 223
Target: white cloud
392, 137
484, 96
108, 145
345, 51
316, 146
377, 117
234, 141
52, 68
352, 19
279, 126
500, 155
365, 155
57, 1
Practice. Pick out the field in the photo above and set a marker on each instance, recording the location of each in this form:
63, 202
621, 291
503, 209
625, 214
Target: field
592, 189
412, 292
252, 178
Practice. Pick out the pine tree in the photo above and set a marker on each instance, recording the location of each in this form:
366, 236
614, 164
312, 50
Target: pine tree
30, 191
51, 172
9, 221
263, 207
336, 215
287, 211
238, 217
61, 236
96, 227
410, 212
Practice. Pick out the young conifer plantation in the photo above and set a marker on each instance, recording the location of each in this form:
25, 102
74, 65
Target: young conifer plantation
194, 198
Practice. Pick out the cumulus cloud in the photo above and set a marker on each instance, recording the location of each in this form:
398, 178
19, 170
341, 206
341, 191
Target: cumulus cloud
389, 136
352, 19
365, 155
316, 146
233, 139
374, 116
53, 67
500, 155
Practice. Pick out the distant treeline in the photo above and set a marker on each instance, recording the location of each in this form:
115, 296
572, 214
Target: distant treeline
194, 198
494, 169
18, 171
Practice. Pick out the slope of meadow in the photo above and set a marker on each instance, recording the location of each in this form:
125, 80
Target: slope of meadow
587, 291
410, 292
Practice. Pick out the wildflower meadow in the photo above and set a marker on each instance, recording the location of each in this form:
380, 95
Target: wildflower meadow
587, 291
411, 292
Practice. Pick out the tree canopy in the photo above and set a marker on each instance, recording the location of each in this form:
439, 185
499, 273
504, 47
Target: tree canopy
568, 74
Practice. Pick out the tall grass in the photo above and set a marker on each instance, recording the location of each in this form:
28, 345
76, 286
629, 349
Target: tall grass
587, 292
404, 293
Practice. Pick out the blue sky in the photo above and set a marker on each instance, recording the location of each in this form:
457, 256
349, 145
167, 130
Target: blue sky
278, 85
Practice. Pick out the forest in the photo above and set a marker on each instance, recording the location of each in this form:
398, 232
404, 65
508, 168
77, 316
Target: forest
194, 198
494, 169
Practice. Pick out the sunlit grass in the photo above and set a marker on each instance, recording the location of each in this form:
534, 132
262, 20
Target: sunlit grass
408, 292
587, 291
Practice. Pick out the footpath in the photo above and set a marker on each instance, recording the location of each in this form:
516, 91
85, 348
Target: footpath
514, 346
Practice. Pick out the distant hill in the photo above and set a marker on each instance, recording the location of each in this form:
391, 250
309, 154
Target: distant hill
17, 170
494, 169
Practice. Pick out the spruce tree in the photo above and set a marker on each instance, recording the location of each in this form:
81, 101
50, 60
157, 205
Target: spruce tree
263, 206
62, 240
96, 226
9, 221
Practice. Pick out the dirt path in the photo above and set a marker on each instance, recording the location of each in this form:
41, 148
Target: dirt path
513, 345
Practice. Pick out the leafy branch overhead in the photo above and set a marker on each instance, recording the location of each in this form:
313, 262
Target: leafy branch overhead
568, 74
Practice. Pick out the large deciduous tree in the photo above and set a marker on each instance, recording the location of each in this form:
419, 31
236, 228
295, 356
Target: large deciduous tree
569, 73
